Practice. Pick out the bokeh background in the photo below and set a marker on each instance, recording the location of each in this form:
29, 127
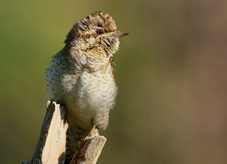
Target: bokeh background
171, 73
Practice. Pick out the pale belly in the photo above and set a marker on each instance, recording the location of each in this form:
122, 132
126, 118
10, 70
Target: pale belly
89, 99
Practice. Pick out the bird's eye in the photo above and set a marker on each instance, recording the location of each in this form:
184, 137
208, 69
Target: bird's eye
99, 32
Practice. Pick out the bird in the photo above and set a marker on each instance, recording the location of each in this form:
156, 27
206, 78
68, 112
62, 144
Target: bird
81, 77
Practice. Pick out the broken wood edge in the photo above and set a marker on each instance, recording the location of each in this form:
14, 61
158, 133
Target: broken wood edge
51, 143
50, 148
89, 150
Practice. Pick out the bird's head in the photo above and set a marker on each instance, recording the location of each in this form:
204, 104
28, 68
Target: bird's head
95, 34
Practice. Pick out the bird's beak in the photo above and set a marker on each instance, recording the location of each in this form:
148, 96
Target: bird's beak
119, 34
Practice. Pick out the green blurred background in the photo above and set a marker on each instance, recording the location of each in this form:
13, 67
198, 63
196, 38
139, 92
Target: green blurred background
171, 73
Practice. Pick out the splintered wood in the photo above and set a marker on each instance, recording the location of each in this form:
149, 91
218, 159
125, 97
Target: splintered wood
50, 148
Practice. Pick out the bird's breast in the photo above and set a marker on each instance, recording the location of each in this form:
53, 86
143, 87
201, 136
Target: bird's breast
93, 94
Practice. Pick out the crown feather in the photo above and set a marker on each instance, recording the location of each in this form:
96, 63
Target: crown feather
89, 24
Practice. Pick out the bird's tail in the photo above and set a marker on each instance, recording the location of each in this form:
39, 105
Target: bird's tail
74, 137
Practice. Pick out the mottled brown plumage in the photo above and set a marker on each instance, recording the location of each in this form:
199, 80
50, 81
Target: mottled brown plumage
86, 26
82, 76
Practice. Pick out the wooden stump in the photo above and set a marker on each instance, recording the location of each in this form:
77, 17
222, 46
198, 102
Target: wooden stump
50, 148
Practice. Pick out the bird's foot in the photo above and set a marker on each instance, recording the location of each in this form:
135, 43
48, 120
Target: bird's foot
93, 132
